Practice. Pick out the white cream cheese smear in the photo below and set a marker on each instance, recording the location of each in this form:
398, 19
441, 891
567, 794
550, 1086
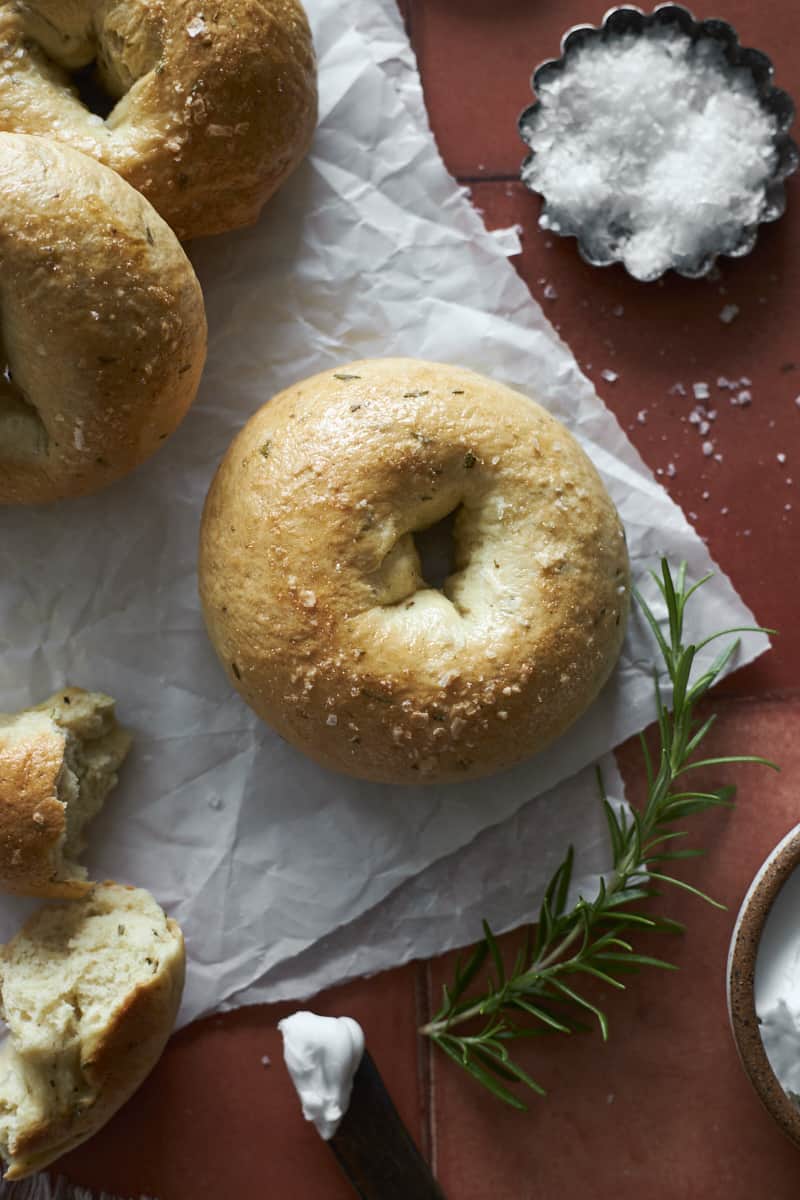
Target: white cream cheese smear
322, 1055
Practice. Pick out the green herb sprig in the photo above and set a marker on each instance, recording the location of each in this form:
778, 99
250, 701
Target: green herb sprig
540, 992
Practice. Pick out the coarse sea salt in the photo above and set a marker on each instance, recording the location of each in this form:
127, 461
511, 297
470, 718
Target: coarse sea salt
652, 149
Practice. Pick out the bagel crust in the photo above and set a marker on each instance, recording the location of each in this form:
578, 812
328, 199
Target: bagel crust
90, 992
215, 104
58, 761
102, 324
312, 588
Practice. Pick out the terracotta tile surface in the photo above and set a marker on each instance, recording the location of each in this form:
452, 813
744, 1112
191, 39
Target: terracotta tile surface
663, 1110
213, 1122
477, 58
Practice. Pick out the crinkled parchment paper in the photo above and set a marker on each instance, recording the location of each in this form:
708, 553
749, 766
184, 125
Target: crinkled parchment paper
278, 871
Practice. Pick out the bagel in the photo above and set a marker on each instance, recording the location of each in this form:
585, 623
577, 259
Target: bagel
313, 592
58, 762
89, 992
102, 324
214, 108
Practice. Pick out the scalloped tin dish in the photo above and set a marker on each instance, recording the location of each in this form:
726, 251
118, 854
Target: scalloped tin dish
658, 141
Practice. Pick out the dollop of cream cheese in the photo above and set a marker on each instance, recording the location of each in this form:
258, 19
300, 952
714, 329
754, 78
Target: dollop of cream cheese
322, 1055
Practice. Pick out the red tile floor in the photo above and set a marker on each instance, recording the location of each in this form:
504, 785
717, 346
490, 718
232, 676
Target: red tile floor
663, 1110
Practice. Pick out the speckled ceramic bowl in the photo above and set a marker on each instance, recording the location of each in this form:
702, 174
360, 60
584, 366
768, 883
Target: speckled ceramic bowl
628, 20
749, 944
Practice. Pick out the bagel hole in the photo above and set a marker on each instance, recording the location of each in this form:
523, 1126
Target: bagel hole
91, 93
22, 430
436, 547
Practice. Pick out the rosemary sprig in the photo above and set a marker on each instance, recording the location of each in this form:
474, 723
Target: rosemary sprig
540, 993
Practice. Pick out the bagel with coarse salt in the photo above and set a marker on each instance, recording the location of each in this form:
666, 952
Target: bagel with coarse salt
102, 324
215, 104
313, 591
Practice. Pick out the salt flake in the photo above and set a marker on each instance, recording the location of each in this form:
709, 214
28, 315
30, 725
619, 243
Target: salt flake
729, 313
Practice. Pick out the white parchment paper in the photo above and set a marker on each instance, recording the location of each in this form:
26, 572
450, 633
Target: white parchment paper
278, 871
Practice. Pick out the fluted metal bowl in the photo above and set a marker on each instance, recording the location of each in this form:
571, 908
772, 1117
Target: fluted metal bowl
619, 22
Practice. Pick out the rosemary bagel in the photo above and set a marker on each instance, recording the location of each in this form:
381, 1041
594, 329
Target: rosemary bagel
214, 106
313, 591
102, 324
89, 992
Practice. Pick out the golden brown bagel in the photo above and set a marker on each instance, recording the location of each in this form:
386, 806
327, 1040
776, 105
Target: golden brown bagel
89, 992
311, 582
216, 104
102, 324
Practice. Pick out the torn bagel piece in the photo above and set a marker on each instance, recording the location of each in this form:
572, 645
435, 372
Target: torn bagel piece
89, 991
58, 762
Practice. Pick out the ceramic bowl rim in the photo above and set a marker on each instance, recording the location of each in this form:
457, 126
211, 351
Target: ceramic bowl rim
745, 941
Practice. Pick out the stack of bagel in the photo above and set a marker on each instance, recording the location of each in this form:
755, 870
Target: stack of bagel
102, 324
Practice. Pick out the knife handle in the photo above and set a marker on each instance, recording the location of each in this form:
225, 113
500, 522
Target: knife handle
374, 1148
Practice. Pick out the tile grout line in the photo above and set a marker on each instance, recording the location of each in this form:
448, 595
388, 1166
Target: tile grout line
487, 178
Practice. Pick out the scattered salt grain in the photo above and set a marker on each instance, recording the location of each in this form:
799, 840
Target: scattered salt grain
652, 149
195, 27
742, 399
701, 391
781, 457
708, 449
705, 496
641, 416
677, 389
266, 1061
609, 376
332, 719
550, 292
671, 470
797, 401
729, 313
